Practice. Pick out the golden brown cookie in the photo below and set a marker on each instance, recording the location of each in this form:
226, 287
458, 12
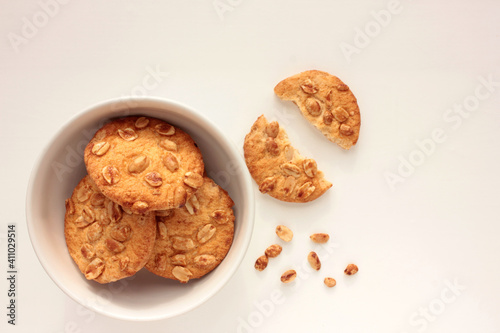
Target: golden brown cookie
278, 168
193, 240
106, 243
326, 102
144, 164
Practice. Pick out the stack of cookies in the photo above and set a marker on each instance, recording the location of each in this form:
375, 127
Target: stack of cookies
146, 203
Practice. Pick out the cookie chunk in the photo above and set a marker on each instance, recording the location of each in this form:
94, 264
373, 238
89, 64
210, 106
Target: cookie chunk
278, 168
193, 240
106, 243
326, 102
144, 164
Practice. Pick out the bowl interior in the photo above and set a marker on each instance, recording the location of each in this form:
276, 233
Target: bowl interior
143, 296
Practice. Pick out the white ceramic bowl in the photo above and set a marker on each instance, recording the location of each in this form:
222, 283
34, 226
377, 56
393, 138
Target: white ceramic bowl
143, 296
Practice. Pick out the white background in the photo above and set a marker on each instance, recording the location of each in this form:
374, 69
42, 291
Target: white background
424, 233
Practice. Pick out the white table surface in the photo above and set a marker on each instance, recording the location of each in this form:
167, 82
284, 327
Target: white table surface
414, 203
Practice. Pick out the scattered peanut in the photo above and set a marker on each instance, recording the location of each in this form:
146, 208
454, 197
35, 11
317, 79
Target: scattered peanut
273, 251
288, 276
314, 260
351, 269
330, 282
320, 238
284, 233
261, 263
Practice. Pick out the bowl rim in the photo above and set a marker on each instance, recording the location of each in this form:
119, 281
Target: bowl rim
161, 103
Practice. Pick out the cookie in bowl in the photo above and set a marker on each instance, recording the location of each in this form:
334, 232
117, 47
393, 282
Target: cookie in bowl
144, 164
106, 243
193, 240
143, 296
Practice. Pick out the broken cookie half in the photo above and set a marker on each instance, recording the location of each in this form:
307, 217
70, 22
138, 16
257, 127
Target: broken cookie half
278, 168
326, 102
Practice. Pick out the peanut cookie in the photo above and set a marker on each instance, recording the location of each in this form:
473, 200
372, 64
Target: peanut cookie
106, 243
326, 102
144, 164
193, 240
278, 168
